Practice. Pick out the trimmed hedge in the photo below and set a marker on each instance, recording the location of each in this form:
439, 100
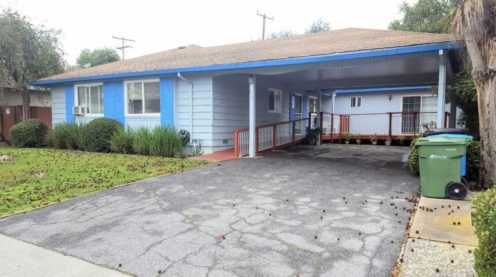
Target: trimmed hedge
485, 227
97, 134
67, 135
29, 133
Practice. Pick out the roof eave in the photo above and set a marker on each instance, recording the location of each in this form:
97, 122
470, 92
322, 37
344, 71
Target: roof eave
258, 64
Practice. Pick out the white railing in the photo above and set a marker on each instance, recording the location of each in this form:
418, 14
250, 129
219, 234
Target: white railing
380, 124
270, 136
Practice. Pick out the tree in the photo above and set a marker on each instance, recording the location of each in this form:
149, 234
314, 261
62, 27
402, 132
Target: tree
97, 57
475, 22
464, 94
319, 25
281, 34
432, 16
27, 53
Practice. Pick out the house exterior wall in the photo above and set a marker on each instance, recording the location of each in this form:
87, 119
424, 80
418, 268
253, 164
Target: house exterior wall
231, 106
193, 108
37, 99
375, 103
58, 105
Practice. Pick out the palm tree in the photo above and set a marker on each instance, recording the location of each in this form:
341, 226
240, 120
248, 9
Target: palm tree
475, 22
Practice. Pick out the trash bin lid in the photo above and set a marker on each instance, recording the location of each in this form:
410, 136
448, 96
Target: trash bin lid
454, 136
440, 131
440, 140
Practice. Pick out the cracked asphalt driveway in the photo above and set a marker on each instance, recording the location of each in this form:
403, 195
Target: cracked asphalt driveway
333, 210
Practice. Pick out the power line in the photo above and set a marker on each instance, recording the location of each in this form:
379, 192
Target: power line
123, 44
265, 17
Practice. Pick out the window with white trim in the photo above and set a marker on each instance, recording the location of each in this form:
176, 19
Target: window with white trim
90, 97
143, 97
275, 100
356, 101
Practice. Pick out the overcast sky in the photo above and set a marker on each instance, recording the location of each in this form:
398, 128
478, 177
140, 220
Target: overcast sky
163, 24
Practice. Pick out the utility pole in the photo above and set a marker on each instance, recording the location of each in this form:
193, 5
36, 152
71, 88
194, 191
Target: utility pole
123, 44
264, 16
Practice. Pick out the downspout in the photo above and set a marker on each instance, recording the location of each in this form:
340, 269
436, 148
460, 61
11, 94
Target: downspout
190, 105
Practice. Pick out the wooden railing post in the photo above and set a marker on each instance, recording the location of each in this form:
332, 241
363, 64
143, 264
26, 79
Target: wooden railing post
390, 124
321, 125
332, 126
415, 128
294, 131
256, 140
236, 143
309, 120
274, 137
446, 119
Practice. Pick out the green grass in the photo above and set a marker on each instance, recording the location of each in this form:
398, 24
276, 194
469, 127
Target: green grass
35, 177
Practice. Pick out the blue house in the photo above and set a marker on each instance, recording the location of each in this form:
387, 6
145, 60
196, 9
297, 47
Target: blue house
257, 95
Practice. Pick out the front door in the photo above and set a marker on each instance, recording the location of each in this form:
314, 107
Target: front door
296, 107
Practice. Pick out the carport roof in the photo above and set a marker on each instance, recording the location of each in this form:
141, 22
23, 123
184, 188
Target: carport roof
258, 53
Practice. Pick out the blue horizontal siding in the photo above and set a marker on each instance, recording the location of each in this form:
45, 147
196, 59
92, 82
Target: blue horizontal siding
257, 64
166, 102
69, 103
113, 100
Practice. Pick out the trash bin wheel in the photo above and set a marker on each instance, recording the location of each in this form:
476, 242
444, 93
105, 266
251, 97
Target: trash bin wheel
456, 191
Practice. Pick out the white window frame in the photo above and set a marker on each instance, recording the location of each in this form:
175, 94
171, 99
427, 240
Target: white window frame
142, 95
421, 103
76, 98
277, 107
358, 101
316, 102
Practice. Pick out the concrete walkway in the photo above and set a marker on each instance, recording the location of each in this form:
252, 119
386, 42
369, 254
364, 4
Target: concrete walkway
18, 259
334, 210
441, 241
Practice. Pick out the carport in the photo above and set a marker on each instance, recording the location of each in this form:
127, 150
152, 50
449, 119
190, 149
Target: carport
317, 79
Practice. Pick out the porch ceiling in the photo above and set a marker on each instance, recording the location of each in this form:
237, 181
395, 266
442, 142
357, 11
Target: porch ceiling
419, 68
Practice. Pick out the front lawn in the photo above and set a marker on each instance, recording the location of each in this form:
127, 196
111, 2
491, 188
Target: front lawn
33, 178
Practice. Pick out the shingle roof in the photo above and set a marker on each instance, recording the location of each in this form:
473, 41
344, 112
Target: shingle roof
337, 41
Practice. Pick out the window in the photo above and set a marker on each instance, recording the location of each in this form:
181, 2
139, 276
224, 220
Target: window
356, 101
312, 104
143, 97
90, 97
275, 100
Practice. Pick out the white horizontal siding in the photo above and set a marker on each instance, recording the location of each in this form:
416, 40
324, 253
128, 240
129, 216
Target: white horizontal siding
201, 108
58, 105
86, 118
136, 121
231, 106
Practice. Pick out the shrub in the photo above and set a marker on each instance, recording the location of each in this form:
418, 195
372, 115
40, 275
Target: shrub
67, 136
473, 161
122, 141
165, 142
413, 158
29, 133
485, 227
141, 141
97, 134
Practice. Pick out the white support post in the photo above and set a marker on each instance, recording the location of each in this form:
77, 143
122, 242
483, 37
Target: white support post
253, 117
441, 90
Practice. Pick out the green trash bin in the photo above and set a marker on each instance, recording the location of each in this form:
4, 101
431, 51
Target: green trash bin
440, 160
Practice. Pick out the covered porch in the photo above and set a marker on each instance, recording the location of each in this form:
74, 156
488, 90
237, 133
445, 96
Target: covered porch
269, 107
